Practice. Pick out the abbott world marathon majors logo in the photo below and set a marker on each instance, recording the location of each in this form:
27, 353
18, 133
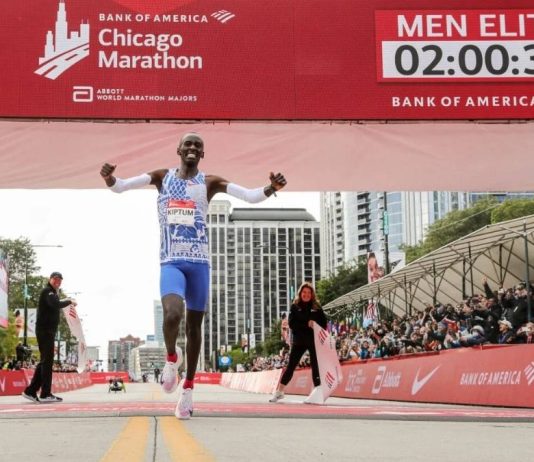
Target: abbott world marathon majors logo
385, 379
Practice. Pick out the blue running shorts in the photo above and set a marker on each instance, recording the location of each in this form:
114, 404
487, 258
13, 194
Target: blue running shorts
188, 280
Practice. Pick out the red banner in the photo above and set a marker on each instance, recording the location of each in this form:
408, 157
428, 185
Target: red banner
105, 377
489, 376
12, 382
208, 378
275, 60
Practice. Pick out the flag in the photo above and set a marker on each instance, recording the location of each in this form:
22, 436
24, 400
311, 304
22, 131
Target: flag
371, 314
329, 367
75, 326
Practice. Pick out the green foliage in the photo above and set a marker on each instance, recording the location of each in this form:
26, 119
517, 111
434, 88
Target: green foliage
8, 339
512, 208
273, 341
238, 356
452, 226
22, 266
349, 276
21, 263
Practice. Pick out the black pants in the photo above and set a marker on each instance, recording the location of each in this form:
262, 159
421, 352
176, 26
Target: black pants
294, 357
42, 378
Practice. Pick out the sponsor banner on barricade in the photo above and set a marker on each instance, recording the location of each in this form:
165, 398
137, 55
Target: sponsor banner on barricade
484, 376
255, 382
12, 382
209, 378
105, 377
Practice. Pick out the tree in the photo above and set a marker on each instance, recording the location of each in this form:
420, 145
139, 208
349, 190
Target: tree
8, 339
273, 342
22, 268
21, 264
512, 208
452, 226
348, 276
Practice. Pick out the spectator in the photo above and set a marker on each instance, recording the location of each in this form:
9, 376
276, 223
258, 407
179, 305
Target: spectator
526, 333
475, 337
506, 332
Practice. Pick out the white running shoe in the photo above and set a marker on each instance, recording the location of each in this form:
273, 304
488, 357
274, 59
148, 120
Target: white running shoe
184, 408
278, 395
169, 379
315, 397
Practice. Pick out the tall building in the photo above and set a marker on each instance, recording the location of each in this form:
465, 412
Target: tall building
144, 359
352, 223
93, 358
158, 322
119, 352
259, 257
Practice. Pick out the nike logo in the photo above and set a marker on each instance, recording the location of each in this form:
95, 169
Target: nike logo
418, 384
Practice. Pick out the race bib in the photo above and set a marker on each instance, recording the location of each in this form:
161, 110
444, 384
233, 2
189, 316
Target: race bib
181, 212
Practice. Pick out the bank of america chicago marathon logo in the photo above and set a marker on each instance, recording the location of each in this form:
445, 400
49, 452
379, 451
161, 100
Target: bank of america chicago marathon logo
64, 49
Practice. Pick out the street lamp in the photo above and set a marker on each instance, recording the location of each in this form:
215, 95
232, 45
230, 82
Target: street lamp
26, 294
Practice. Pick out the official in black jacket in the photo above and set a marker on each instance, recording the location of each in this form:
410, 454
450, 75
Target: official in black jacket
304, 310
45, 330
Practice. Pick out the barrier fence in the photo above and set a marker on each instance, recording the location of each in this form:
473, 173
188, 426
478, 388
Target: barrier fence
14, 382
496, 376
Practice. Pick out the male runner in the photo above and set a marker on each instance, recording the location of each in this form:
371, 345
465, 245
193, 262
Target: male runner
184, 194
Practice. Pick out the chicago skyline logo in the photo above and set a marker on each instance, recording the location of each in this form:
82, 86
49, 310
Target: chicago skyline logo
63, 49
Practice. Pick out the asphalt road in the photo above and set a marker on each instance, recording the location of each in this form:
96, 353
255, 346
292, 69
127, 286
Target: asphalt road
139, 425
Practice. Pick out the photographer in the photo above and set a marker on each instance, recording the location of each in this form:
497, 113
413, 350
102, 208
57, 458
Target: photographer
21, 352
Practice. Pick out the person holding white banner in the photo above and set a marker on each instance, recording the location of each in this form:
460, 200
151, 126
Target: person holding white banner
45, 330
304, 312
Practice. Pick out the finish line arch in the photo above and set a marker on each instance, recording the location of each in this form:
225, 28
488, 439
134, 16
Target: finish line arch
82, 79
313, 156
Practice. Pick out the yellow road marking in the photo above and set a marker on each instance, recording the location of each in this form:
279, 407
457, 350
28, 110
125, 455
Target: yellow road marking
131, 443
181, 444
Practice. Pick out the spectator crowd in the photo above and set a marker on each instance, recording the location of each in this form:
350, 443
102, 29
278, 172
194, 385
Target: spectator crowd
494, 317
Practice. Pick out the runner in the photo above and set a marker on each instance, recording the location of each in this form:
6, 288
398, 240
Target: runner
184, 194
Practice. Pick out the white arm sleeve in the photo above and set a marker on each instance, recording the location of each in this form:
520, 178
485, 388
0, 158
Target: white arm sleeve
134, 182
249, 195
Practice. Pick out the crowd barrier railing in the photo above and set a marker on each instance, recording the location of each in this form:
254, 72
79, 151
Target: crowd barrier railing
495, 376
